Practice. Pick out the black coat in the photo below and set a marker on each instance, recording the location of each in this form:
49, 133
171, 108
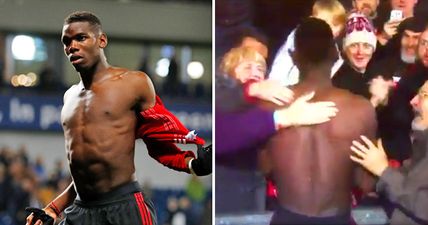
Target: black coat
395, 119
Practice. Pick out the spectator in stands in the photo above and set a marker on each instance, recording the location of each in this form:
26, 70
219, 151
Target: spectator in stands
3, 187
399, 61
400, 53
39, 168
390, 25
396, 117
176, 214
366, 7
406, 187
358, 46
19, 195
283, 68
49, 80
196, 193
172, 84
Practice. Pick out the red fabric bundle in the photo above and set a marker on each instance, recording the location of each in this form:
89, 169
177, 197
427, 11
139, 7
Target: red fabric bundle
169, 155
160, 130
160, 124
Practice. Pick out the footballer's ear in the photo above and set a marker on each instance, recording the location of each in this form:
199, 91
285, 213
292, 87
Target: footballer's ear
103, 40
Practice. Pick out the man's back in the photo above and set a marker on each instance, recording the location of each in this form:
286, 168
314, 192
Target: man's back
311, 165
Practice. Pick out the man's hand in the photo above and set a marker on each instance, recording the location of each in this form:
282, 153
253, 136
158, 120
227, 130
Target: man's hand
202, 165
389, 30
270, 91
40, 216
370, 156
379, 89
302, 112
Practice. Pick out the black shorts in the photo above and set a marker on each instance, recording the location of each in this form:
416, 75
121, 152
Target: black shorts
283, 216
123, 206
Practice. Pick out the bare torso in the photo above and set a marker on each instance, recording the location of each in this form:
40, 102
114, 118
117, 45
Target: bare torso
311, 165
99, 128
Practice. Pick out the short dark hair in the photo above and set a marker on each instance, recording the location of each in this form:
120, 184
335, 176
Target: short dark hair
248, 32
314, 40
84, 16
415, 24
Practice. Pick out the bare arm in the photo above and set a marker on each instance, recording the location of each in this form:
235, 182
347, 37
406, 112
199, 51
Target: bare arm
58, 205
160, 130
63, 200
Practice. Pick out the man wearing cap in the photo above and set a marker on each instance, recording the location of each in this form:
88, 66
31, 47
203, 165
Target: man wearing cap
359, 45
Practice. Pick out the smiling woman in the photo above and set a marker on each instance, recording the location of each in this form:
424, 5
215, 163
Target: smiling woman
244, 64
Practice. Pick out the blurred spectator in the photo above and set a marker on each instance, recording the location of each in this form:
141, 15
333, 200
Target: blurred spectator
283, 68
2, 60
366, 7
147, 188
22, 181
196, 193
39, 168
3, 187
389, 24
231, 18
208, 213
200, 91
176, 214
185, 205
407, 7
172, 84
400, 52
49, 81
57, 174
23, 154
144, 61
278, 18
21, 186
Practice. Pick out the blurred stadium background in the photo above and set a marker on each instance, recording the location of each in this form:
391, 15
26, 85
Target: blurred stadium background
170, 40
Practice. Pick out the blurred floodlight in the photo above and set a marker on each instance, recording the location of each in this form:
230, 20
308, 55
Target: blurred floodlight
26, 80
162, 67
32, 77
14, 81
23, 47
195, 69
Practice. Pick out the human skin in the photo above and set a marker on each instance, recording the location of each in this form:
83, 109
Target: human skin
311, 165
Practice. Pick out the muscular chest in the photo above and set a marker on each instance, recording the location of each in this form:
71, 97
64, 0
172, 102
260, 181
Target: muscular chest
94, 106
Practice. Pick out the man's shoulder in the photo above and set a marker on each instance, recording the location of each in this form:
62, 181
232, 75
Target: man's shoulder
351, 101
120, 71
132, 76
